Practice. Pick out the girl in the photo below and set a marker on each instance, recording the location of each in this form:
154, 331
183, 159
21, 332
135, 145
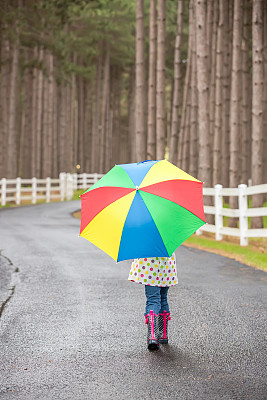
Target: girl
157, 274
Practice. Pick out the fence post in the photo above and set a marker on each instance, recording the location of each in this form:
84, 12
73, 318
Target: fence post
18, 190
95, 177
48, 190
34, 190
84, 185
69, 189
218, 211
62, 185
198, 232
3, 192
243, 219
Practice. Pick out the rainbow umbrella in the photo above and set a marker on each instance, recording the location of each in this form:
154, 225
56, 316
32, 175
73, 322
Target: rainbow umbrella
142, 210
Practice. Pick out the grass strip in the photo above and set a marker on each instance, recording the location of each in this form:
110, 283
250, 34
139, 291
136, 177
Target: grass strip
255, 254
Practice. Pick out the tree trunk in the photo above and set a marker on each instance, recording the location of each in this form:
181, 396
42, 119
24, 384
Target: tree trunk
177, 86
88, 125
5, 79
26, 142
39, 116
131, 114
50, 112
181, 137
246, 96
151, 125
113, 105
56, 115
235, 105
96, 113
227, 62
212, 77
209, 29
217, 142
73, 123
108, 142
117, 148
160, 96
12, 132
62, 127
265, 91
203, 94
47, 117
104, 111
257, 106
193, 151
34, 114
187, 130
140, 83
81, 105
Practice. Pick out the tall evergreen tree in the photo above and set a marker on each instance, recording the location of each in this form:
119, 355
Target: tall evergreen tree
160, 95
140, 126
257, 105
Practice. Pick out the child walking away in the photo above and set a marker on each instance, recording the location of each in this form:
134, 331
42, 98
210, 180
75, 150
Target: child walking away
157, 274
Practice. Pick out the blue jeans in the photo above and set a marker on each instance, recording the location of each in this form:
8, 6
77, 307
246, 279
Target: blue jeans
156, 299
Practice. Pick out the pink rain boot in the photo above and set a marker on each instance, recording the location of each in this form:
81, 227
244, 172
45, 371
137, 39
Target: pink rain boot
163, 327
152, 331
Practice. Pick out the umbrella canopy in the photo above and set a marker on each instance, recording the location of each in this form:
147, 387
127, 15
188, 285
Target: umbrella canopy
142, 210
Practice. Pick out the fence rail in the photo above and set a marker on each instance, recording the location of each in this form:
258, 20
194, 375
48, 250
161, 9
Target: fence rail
242, 212
18, 190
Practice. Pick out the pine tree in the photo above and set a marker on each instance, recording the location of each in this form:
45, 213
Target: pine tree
203, 94
140, 83
160, 95
151, 124
257, 105
235, 104
177, 86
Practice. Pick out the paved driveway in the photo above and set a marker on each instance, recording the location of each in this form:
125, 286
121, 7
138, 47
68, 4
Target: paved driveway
72, 326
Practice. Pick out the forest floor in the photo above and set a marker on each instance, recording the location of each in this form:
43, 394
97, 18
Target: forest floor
255, 254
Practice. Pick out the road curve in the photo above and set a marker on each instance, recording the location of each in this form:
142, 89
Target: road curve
72, 326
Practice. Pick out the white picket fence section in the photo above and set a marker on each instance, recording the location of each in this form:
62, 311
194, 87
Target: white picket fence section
242, 212
62, 188
18, 190
83, 181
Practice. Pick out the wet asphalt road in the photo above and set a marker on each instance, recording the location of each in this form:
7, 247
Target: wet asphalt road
72, 326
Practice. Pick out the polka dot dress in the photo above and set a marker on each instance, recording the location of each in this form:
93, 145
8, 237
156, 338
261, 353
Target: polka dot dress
154, 271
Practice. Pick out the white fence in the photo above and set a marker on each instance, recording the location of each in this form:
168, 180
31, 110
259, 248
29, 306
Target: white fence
242, 213
18, 190
83, 181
